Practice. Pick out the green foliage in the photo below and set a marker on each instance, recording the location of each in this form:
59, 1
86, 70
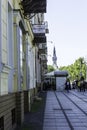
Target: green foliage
78, 68
50, 68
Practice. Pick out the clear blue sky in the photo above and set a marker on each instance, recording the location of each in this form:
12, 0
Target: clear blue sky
67, 23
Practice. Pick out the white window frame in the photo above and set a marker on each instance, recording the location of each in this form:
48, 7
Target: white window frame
21, 51
10, 35
10, 50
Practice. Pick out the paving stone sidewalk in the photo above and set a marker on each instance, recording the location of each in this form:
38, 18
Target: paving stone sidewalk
65, 111
34, 120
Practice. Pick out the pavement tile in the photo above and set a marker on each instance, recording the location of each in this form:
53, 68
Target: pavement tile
80, 128
63, 128
54, 116
49, 128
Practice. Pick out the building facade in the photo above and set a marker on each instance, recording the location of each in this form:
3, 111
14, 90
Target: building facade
22, 48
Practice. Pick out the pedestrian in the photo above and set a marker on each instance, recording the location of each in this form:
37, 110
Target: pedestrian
79, 87
82, 84
77, 82
67, 85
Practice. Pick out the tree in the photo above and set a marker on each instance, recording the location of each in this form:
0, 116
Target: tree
77, 68
50, 68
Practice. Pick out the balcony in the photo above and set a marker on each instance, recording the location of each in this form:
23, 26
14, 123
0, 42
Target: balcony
39, 33
43, 58
33, 6
42, 48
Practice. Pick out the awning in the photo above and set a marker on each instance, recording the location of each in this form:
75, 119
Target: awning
61, 73
57, 73
50, 74
34, 6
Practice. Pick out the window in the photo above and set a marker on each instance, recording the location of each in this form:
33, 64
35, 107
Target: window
21, 56
21, 50
2, 123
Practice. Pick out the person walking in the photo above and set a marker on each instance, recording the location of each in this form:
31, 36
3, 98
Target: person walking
82, 84
77, 81
67, 85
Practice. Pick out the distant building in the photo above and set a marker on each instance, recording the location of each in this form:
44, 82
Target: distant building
54, 58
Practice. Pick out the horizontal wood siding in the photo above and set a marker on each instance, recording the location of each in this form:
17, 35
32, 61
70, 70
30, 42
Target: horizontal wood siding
7, 103
26, 102
20, 107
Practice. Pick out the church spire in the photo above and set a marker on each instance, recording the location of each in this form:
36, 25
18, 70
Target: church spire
54, 58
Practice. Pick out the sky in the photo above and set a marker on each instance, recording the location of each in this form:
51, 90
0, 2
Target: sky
67, 24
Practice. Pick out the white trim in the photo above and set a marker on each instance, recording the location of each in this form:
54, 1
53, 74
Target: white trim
9, 1
18, 60
0, 46
0, 33
4, 71
10, 36
7, 66
10, 51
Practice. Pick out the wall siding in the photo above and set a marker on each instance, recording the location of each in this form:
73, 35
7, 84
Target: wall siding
7, 103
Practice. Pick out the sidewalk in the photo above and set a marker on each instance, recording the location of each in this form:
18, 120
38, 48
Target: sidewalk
34, 119
62, 111
65, 111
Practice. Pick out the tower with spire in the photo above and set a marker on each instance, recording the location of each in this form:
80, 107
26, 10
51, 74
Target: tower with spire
54, 58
